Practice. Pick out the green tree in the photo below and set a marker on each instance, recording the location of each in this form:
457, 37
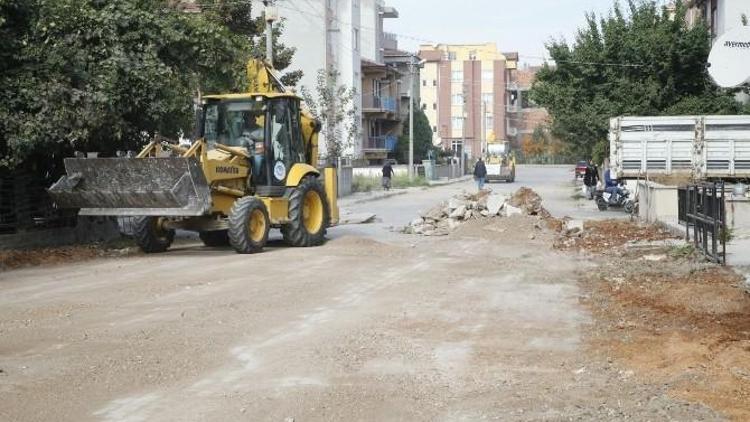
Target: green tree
422, 138
333, 106
101, 75
237, 17
648, 62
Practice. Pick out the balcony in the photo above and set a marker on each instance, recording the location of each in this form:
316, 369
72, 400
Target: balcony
380, 143
379, 104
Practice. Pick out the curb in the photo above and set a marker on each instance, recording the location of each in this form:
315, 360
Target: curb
376, 197
450, 181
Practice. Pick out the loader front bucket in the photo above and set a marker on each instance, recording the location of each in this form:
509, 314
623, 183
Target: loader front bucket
169, 186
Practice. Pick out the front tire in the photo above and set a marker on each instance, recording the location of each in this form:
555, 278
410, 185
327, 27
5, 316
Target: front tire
601, 204
309, 216
150, 235
248, 225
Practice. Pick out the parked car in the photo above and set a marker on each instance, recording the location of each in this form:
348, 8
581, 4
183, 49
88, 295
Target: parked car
581, 169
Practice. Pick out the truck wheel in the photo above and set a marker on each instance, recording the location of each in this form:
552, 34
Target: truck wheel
150, 235
248, 225
214, 238
601, 204
309, 215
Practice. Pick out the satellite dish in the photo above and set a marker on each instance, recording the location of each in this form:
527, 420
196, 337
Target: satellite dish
729, 58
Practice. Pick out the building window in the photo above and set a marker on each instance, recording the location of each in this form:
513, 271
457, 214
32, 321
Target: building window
424, 82
457, 123
356, 39
457, 75
487, 97
457, 99
434, 82
489, 121
434, 106
451, 55
424, 106
488, 74
434, 129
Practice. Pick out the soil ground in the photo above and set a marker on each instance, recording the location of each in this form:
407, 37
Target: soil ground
500, 320
669, 316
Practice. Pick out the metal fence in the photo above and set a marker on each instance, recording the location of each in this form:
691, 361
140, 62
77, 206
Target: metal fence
25, 205
703, 209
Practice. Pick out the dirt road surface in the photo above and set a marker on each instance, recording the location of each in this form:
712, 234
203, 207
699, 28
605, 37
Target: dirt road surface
485, 324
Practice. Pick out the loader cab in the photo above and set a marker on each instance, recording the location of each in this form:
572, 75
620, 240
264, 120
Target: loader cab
267, 125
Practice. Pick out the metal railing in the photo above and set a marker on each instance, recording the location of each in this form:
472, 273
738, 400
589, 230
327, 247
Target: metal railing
380, 103
703, 208
380, 143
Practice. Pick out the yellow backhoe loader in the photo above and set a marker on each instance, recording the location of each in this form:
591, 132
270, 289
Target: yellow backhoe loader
251, 169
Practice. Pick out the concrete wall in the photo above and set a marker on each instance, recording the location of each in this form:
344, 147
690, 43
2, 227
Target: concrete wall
738, 217
657, 203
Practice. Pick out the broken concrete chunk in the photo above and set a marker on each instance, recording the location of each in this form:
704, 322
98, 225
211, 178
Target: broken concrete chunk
510, 210
454, 203
458, 212
417, 221
468, 214
484, 213
495, 203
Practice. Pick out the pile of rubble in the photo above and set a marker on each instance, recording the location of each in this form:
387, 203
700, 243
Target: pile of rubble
447, 216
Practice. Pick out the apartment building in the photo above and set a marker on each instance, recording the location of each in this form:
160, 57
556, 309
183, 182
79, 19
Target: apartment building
720, 15
523, 115
381, 115
464, 93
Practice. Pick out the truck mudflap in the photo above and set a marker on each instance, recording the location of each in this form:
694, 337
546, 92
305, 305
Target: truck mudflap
168, 186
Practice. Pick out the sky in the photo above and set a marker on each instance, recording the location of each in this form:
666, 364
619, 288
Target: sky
515, 25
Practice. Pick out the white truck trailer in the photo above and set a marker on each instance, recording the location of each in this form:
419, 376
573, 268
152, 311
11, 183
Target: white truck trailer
704, 147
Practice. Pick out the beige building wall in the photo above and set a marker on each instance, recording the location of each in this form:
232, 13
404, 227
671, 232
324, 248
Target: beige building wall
429, 96
467, 77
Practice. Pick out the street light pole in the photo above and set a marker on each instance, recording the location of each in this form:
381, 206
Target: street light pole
411, 134
411, 119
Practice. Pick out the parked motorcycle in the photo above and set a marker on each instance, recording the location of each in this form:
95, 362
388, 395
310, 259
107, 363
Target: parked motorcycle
605, 200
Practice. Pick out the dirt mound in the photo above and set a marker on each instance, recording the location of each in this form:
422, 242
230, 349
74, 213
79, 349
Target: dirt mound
10, 259
529, 201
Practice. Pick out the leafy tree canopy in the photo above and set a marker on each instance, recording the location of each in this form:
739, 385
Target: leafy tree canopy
422, 138
102, 75
648, 62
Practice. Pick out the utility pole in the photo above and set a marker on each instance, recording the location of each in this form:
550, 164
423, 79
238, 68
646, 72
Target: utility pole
270, 15
483, 126
411, 128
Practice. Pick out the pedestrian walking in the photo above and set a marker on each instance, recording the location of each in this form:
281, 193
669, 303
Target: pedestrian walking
591, 178
480, 173
387, 175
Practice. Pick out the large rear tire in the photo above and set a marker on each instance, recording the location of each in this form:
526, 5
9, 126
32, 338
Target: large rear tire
309, 216
215, 238
150, 236
248, 225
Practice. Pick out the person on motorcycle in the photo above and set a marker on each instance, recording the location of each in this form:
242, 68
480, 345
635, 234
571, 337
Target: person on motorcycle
611, 185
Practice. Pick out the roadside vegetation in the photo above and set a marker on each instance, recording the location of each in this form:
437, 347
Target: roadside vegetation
642, 59
93, 75
363, 183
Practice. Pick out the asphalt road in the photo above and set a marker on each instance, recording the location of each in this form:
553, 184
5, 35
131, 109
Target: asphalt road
375, 325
